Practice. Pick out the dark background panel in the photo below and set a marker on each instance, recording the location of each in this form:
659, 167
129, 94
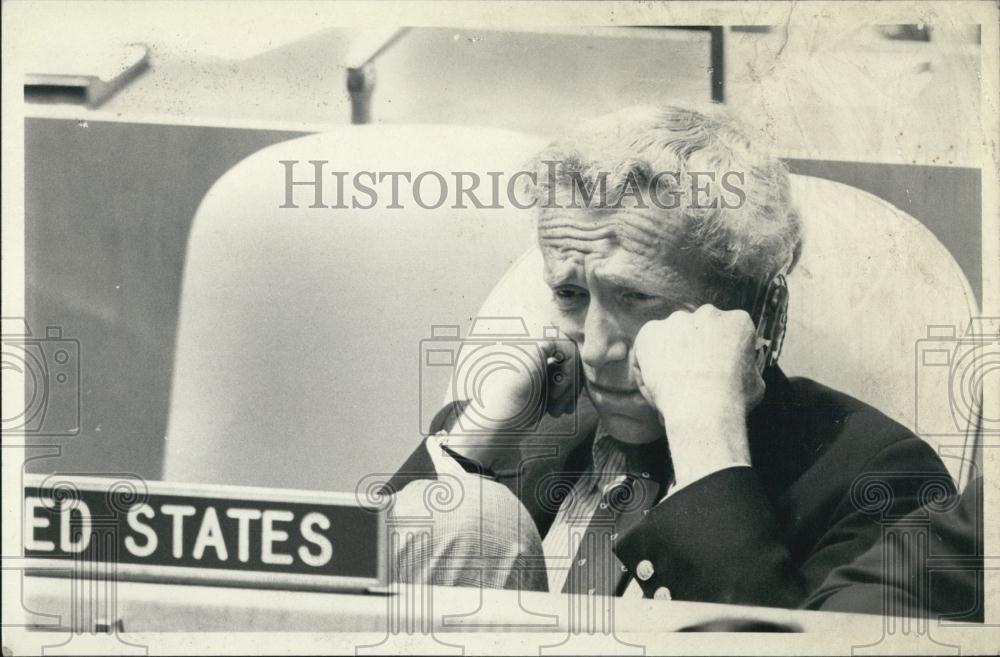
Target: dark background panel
108, 208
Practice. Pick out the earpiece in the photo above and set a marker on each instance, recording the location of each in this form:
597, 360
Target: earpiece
771, 320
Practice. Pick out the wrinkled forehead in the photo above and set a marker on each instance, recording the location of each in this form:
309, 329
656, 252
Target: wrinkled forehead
630, 238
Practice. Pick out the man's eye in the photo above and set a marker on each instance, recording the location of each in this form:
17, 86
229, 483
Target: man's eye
568, 295
632, 295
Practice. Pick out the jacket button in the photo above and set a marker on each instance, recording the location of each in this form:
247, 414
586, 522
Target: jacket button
662, 593
644, 569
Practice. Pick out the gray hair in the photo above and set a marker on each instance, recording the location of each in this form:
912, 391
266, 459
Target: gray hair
751, 242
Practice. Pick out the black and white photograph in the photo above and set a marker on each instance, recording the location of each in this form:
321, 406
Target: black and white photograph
500, 327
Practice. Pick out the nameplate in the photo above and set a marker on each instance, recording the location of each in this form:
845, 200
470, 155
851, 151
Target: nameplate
128, 528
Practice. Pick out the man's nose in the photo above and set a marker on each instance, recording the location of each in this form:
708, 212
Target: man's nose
603, 340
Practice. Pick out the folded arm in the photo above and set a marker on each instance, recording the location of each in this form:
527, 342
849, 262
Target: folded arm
719, 538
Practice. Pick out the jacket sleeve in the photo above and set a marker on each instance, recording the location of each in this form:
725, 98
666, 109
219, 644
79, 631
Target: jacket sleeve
426, 460
719, 539
945, 578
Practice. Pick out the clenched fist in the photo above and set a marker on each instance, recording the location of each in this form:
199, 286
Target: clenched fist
512, 394
698, 370
509, 387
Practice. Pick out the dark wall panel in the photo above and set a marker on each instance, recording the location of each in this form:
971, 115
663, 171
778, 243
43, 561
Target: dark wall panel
108, 207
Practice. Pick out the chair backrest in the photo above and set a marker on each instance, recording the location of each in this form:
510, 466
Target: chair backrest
298, 356
870, 284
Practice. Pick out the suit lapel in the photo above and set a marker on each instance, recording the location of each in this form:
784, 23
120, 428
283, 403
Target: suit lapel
781, 446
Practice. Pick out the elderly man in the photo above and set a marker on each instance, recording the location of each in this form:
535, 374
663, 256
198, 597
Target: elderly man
708, 474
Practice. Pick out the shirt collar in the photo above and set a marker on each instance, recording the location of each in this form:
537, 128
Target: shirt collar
646, 461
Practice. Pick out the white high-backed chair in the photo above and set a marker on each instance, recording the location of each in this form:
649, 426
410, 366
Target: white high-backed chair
300, 362
298, 357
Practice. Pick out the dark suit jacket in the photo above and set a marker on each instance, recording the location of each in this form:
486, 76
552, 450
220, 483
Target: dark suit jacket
829, 473
930, 563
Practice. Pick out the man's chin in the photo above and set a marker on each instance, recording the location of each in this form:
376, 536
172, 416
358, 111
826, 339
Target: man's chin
635, 427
